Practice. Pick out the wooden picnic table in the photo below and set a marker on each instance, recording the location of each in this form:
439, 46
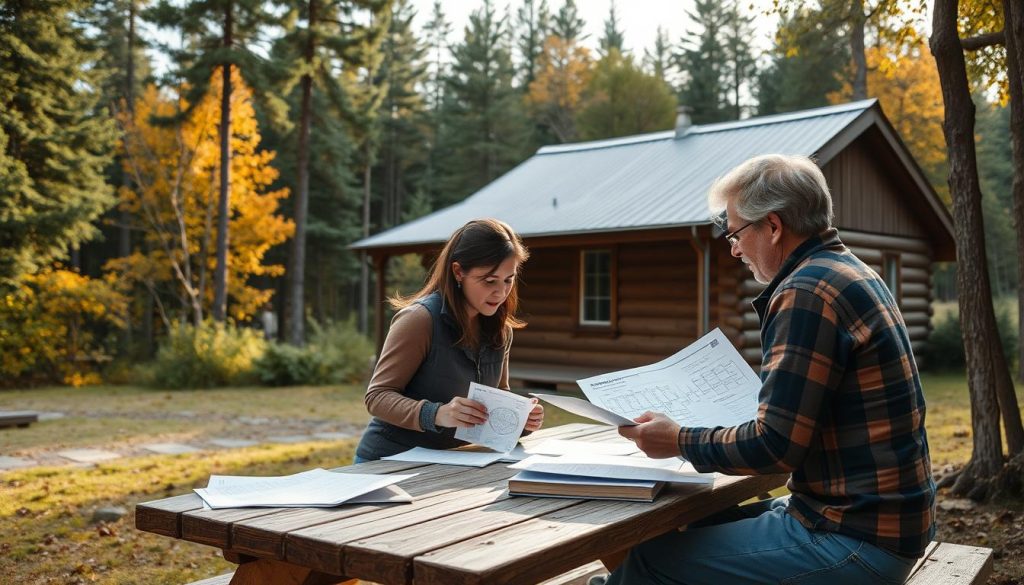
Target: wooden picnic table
462, 527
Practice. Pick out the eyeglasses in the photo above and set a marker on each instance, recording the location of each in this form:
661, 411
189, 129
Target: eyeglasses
734, 237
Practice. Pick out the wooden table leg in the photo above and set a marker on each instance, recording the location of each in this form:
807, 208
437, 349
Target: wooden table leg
612, 561
254, 571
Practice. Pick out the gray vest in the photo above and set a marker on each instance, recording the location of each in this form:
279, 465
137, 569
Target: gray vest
445, 373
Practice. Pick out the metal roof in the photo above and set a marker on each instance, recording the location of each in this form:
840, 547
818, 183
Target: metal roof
638, 182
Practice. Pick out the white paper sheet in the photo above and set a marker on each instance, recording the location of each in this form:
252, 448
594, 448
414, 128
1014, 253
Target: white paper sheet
506, 418
467, 458
563, 447
616, 467
314, 488
391, 494
584, 408
706, 384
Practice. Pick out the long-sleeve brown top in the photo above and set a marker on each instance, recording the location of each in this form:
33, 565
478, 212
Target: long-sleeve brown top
405, 348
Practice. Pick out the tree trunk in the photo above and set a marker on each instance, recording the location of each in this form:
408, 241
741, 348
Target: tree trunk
364, 269
297, 269
860, 61
982, 346
220, 278
1013, 15
124, 242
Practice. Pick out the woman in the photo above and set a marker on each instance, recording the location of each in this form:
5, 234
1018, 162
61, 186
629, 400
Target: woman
456, 330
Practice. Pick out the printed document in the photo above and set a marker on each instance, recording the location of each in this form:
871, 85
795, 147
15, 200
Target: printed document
444, 457
707, 384
616, 467
506, 418
563, 447
314, 488
584, 408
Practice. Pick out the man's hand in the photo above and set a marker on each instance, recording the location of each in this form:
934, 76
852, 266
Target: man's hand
536, 418
461, 412
657, 435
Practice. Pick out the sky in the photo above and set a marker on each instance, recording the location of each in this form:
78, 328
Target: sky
638, 19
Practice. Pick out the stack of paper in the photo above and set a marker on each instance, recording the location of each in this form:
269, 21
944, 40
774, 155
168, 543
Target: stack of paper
314, 488
592, 473
553, 485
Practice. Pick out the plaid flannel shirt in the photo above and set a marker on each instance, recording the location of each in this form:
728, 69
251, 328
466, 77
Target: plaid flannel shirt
840, 407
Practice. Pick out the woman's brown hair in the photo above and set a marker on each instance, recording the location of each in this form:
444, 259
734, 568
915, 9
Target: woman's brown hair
479, 243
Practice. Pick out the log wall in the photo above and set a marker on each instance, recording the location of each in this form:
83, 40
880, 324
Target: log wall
656, 306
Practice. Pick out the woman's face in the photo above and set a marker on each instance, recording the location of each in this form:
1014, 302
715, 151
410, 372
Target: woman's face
485, 289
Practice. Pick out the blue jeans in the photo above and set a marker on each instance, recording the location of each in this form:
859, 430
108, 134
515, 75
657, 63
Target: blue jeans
758, 543
356, 459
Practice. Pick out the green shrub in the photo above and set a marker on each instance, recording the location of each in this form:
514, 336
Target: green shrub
206, 356
946, 346
287, 365
336, 354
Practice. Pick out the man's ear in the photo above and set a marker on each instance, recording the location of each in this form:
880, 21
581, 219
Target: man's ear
775, 227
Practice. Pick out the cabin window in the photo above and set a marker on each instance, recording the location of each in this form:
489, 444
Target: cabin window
596, 287
891, 274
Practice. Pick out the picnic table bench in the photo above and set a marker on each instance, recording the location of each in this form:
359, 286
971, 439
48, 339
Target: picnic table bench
17, 418
462, 527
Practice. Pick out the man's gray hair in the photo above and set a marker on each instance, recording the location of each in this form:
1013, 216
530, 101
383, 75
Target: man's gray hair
791, 186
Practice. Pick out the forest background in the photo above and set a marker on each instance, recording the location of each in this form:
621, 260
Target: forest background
130, 222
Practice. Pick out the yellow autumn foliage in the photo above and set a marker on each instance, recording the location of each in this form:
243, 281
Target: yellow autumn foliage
907, 87
48, 326
563, 72
176, 179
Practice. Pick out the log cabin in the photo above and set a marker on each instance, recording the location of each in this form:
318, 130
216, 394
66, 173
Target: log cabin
626, 265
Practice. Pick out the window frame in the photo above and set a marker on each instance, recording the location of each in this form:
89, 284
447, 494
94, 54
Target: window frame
611, 325
894, 261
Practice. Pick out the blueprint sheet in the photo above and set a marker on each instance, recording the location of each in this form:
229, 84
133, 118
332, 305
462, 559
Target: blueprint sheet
706, 384
506, 418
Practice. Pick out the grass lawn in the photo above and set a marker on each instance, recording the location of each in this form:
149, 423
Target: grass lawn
45, 512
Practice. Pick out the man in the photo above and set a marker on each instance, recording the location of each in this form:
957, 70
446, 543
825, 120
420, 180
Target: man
841, 410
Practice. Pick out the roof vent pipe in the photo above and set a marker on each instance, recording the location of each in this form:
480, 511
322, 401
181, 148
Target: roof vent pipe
683, 121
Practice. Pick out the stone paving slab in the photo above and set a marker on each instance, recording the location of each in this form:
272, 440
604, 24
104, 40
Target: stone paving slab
88, 455
170, 448
15, 462
333, 436
289, 439
232, 443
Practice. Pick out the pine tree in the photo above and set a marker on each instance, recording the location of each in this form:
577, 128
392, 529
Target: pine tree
658, 59
739, 59
533, 23
613, 37
567, 24
404, 71
55, 137
484, 124
806, 65
114, 33
330, 34
703, 61
222, 32
436, 32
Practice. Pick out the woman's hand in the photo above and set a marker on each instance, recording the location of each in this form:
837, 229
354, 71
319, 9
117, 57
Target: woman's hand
536, 418
461, 412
